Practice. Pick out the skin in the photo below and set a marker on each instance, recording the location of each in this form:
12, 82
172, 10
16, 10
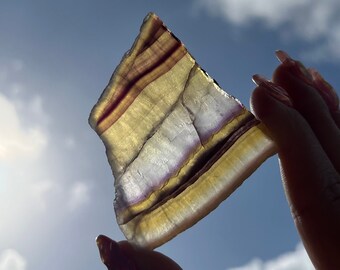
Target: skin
308, 142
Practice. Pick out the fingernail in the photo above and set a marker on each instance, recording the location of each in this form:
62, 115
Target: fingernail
111, 254
326, 90
274, 90
283, 56
296, 67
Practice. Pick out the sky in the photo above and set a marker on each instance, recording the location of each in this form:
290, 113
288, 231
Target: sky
56, 187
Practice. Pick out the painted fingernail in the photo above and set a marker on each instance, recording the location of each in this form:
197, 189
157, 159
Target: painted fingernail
326, 90
111, 254
283, 57
273, 89
296, 67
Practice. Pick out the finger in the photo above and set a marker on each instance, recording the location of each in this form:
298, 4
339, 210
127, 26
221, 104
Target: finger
311, 183
148, 259
124, 256
328, 93
112, 255
299, 150
297, 81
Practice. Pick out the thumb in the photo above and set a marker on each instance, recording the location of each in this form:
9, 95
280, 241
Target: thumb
123, 255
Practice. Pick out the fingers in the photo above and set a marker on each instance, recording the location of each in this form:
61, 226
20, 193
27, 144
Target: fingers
301, 87
124, 256
301, 156
328, 93
311, 182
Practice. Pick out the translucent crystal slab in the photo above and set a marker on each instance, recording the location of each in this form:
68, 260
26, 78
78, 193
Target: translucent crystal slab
177, 144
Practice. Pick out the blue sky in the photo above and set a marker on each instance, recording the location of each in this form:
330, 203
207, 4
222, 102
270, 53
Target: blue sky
56, 187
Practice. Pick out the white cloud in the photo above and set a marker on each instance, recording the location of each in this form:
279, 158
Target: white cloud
24, 171
35, 105
10, 259
16, 141
79, 195
310, 20
31, 184
243, 11
293, 260
40, 191
28, 186
37, 194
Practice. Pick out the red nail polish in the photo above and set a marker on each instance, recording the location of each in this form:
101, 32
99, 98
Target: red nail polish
274, 90
296, 67
111, 254
326, 90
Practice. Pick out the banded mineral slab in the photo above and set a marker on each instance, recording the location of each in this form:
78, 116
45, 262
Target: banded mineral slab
178, 145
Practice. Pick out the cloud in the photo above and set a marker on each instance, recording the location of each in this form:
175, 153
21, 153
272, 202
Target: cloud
10, 259
241, 12
309, 20
33, 183
28, 183
294, 260
79, 195
39, 191
15, 140
25, 177
35, 105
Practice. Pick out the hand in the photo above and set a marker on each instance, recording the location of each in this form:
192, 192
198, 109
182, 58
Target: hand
308, 141
306, 129
124, 256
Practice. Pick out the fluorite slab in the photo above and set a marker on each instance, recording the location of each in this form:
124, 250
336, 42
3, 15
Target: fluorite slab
178, 145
